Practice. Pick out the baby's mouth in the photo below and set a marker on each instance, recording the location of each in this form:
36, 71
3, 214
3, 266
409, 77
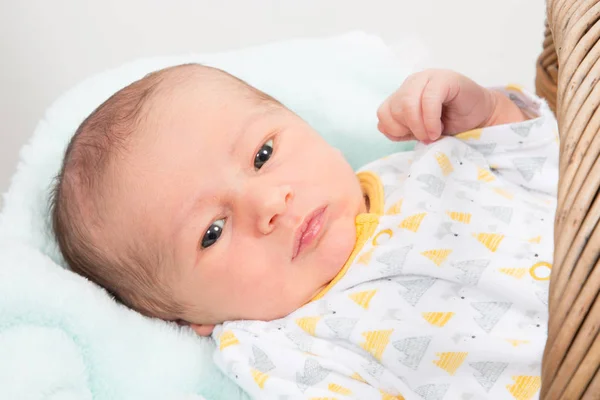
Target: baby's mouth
309, 230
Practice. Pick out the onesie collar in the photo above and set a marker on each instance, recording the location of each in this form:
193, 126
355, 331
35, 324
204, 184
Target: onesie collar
366, 223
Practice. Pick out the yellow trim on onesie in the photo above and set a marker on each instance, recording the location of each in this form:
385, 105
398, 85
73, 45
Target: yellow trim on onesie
365, 224
373, 189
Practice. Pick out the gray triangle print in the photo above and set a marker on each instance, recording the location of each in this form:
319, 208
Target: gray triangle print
524, 128
341, 326
487, 373
374, 369
463, 195
415, 289
394, 260
472, 270
261, 361
433, 185
470, 184
313, 374
473, 155
504, 214
304, 342
484, 148
491, 313
443, 230
528, 167
432, 391
412, 350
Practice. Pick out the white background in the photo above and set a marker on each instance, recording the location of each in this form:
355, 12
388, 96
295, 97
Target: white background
47, 46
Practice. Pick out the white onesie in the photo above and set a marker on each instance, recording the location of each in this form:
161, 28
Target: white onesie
445, 294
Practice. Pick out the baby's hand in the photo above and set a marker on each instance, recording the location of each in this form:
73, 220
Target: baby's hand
436, 102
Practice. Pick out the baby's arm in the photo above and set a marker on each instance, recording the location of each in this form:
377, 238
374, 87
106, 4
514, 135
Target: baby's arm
520, 138
433, 103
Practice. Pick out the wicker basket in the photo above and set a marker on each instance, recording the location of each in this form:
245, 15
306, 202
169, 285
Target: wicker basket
572, 358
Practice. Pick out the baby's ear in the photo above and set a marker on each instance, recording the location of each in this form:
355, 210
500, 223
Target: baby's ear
202, 330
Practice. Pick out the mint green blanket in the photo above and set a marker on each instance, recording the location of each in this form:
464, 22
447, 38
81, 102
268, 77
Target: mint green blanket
62, 337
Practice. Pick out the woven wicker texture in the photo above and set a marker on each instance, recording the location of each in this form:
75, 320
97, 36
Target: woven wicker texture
572, 357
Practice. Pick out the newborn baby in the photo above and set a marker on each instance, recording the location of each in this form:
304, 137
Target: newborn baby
194, 197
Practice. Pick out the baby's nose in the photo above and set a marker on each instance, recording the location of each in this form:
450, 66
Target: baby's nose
270, 205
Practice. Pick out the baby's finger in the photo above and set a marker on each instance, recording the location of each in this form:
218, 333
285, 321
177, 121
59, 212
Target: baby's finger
390, 127
432, 100
393, 123
400, 135
407, 108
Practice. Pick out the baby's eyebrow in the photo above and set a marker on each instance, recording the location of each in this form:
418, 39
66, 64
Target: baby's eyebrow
264, 111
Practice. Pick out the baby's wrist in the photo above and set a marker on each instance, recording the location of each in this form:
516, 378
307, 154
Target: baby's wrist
504, 110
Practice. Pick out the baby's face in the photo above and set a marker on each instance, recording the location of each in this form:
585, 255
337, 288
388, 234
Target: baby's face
252, 210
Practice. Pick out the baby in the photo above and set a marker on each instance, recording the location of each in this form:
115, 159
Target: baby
194, 197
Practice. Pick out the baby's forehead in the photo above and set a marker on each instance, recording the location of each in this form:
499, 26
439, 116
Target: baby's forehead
213, 84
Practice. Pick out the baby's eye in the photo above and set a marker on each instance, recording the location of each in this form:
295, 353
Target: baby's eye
213, 233
263, 155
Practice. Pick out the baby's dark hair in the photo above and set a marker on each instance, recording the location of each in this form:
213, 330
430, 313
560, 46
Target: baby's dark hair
82, 193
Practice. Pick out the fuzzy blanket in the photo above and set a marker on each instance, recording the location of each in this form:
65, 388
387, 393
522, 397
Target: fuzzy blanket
63, 337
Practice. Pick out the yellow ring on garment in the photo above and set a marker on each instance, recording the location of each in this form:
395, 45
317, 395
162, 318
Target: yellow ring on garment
387, 231
533, 271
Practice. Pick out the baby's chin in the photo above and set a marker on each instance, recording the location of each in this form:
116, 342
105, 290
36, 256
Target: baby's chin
337, 249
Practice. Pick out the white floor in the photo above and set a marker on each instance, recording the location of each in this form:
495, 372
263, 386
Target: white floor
48, 46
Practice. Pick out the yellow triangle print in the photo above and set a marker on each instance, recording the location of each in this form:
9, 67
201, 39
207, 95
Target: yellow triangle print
484, 175
437, 256
335, 388
514, 87
259, 377
365, 257
504, 193
450, 361
308, 324
516, 273
357, 377
387, 396
413, 222
525, 387
395, 209
517, 342
536, 239
462, 217
376, 342
363, 298
444, 163
227, 339
437, 318
474, 134
489, 240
